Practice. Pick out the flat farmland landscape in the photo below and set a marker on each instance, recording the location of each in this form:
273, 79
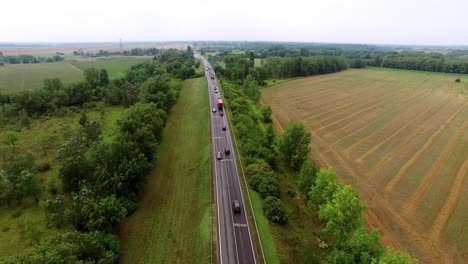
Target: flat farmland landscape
401, 139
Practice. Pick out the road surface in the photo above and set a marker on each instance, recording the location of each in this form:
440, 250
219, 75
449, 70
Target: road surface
234, 243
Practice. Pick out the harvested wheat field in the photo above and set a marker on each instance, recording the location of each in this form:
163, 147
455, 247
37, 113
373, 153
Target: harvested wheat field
401, 139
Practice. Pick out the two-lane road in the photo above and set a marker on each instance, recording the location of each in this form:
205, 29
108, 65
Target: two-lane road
234, 243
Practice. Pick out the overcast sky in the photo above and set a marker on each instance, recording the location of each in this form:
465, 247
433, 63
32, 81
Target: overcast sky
351, 21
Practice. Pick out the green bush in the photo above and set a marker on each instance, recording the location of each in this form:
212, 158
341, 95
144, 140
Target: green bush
274, 210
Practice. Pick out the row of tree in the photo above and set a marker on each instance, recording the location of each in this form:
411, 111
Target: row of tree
137, 85
239, 66
26, 59
355, 56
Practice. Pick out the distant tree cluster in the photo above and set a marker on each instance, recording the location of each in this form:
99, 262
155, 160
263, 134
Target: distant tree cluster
303, 66
152, 81
27, 59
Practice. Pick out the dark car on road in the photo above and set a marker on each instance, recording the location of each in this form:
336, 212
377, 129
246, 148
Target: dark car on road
227, 151
219, 155
224, 127
236, 206
221, 113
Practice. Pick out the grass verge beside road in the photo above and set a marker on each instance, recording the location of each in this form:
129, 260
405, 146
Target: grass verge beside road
173, 221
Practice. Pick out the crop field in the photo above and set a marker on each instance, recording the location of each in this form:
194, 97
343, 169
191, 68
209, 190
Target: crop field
173, 220
401, 139
15, 77
115, 66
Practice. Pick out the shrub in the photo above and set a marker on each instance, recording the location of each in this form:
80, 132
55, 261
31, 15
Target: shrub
274, 210
43, 167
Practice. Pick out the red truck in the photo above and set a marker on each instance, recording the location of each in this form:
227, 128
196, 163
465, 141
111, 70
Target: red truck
220, 103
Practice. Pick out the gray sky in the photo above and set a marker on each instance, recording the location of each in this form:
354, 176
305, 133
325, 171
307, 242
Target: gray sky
351, 21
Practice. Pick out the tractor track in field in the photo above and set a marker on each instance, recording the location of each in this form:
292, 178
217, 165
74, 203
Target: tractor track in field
390, 137
358, 98
351, 148
386, 114
397, 178
373, 172
450, 203
369, 124
356, 113
428, 179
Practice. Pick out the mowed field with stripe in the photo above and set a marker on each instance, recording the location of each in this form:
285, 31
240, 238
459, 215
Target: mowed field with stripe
401, 139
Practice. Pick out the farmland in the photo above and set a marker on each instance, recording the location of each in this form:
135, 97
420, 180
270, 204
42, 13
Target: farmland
172, 224
15, 77
115, 66
399, 137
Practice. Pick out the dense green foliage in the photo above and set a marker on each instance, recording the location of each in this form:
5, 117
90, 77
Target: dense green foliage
72, 247
100, 179
274, 210
294, 145
301, 59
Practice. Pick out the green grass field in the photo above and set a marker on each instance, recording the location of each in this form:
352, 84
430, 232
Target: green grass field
173, 221
14, 220
15, 77
115, 66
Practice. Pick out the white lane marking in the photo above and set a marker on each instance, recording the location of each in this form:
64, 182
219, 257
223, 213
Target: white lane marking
227, 160
217, 137
217, 197
240, 225
232, 218
242, 196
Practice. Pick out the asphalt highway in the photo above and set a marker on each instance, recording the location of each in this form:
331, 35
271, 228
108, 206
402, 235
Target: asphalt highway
234, 243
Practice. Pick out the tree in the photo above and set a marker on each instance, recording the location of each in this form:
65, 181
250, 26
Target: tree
119, 168
365, 247
251, 88
92, 77
266, 113
72, 247
46, 141
103, 213
323, 188
158, 90
54, 208
256, 172
103, 78
143, 124
19, 162
396, 257
251, 59
307, 175
10, 139
74, 165
92, 132
342, 215
274, 210
16, 187
295, 144
25, 121
83, 119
